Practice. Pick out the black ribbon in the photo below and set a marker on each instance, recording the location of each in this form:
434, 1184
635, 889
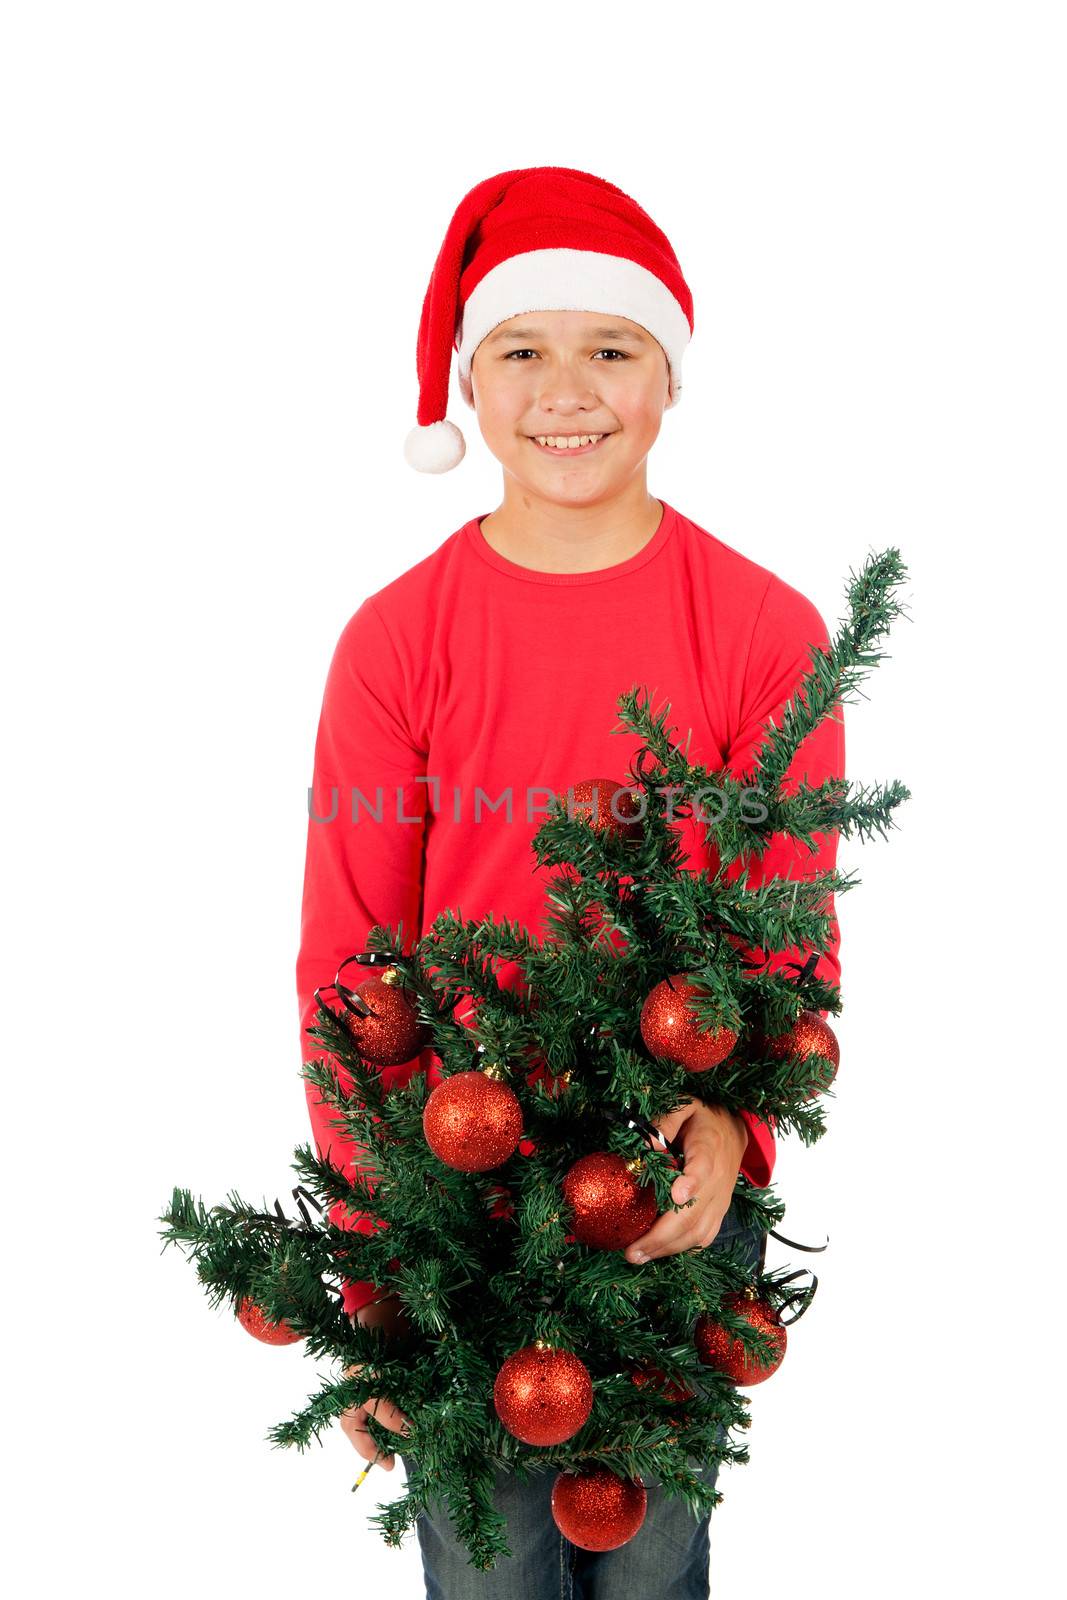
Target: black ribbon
645, 764
804, 972
810, 1249
636, 770
349, 998
801, 1297
300, 1194
352, 1001
374, 958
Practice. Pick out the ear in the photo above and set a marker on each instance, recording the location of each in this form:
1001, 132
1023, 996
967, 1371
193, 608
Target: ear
673, 384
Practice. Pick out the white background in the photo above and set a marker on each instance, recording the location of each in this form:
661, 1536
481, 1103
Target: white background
220, 223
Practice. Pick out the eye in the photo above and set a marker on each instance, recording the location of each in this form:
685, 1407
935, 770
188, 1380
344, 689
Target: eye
623, 355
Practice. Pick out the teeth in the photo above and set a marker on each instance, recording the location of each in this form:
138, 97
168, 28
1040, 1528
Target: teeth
573, 441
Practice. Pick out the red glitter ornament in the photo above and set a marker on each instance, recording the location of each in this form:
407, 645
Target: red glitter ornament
608, 806
539, 1073
809, 1036
672, 1031
254, 1319
381, 1017
472, 1121
671, 1388
503, 1206
724, 1351
609, 1207
596, 1510
543, 1395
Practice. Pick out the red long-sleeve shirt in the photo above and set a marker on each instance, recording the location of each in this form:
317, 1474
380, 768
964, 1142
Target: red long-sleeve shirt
470, 690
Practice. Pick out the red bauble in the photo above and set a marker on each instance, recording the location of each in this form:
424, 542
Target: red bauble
543, 1395
724, 1351
670, 1388
596, 1510
808, 1036
609, 1206
390, 1032
503, 1206
472, 1122
672, 1032
539, 1073
608, 805
253, 1318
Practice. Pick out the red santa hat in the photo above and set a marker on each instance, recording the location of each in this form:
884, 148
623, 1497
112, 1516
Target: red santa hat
538, 239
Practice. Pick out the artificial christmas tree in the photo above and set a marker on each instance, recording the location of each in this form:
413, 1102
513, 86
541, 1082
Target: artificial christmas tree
507, 1179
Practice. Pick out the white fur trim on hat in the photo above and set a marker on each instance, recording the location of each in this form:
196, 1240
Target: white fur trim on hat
572, 280
436, 448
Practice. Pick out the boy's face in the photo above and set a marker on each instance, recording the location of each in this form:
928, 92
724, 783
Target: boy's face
566, 375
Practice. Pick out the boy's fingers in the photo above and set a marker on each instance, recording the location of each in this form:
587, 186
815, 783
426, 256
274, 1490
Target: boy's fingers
357, 1435
665, 1236
382, 1411
668, 1125
671, 1229
681, 1230
699, 1165
661, 1241
353, 1425
389, 1416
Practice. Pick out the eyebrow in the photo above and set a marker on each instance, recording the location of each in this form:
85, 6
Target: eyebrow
594, 333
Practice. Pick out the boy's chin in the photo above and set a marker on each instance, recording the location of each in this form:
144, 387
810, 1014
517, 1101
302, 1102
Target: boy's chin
588, 489
591, 477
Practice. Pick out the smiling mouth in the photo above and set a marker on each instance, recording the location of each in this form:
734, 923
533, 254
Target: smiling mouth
568, 444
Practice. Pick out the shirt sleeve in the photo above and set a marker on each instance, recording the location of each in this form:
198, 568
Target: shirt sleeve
779, 657
364, 860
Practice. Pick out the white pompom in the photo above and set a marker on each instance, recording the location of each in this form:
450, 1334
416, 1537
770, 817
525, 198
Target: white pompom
436, 448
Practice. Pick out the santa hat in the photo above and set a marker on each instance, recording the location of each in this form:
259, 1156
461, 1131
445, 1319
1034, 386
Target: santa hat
538, 239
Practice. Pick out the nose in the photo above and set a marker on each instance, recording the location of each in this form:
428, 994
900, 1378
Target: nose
564, 392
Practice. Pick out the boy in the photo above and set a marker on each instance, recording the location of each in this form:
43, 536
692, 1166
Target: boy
483, 681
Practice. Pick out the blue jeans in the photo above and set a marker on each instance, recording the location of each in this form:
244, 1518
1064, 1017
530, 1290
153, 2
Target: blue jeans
668, 1556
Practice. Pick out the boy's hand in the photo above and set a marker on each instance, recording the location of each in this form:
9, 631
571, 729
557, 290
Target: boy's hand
388, 1314
714, 1142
